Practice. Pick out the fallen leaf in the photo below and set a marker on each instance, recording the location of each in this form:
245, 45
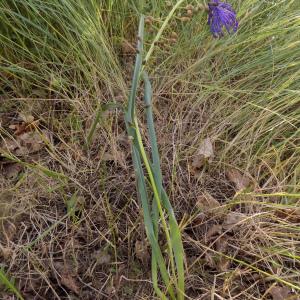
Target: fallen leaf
174, 35
30, 142
141, 251
7, 200
169, 3
25, 117
27, 143
102, 257
210, 260
215, 229
185, 19
280, 293
110, 289
239, 180
67, 276
222, 244
233, 219
115, 155
39, 93
199, 219
207, 203
223, 264
11, 171
9, 145
8, 230
6, 252
18, 128
70, 282
26, 124
149, 20
204, 154
107, 157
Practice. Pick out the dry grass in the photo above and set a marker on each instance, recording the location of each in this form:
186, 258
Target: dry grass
79, 233
98, 247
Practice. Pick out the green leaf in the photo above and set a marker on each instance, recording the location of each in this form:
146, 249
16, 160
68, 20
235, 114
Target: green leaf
9, 284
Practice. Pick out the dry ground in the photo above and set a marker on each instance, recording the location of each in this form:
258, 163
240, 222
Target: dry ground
237, 246
71, 221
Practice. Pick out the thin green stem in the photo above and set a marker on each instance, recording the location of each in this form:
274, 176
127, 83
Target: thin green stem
156, 196
161, 30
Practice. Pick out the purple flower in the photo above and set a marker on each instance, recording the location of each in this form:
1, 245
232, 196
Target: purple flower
221, 14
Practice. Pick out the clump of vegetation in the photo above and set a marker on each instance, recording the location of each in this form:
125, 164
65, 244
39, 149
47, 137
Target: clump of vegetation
227, 116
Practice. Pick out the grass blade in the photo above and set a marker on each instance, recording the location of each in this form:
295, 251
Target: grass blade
9, 284
136, 74
134, 135
174, 229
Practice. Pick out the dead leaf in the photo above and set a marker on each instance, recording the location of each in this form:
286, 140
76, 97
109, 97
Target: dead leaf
18, 128
102, 257
8, 229
185, 19
11, 171
210, 260
70, 282
204, 154
107, 157
110, 289
222, 244
141, 251
9, 145
7, 200
149, 20
169, 3
115, 155
233, 219
223, 264
67, 276
174, 35
215, 229
199, 219
6, 252
239, 180
207, 203
25, 117
31, 142
26, 124
280, 293
27, 143
218, 262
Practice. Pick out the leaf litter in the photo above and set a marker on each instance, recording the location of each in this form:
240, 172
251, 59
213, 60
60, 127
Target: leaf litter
203, 155
208, 204
281, 293
27, 138
240, 181
26, 143
67, 276
232, 220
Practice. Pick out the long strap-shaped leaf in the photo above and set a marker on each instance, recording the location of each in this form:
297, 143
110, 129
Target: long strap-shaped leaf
156, 162
136, 156
174, 228
130, 113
